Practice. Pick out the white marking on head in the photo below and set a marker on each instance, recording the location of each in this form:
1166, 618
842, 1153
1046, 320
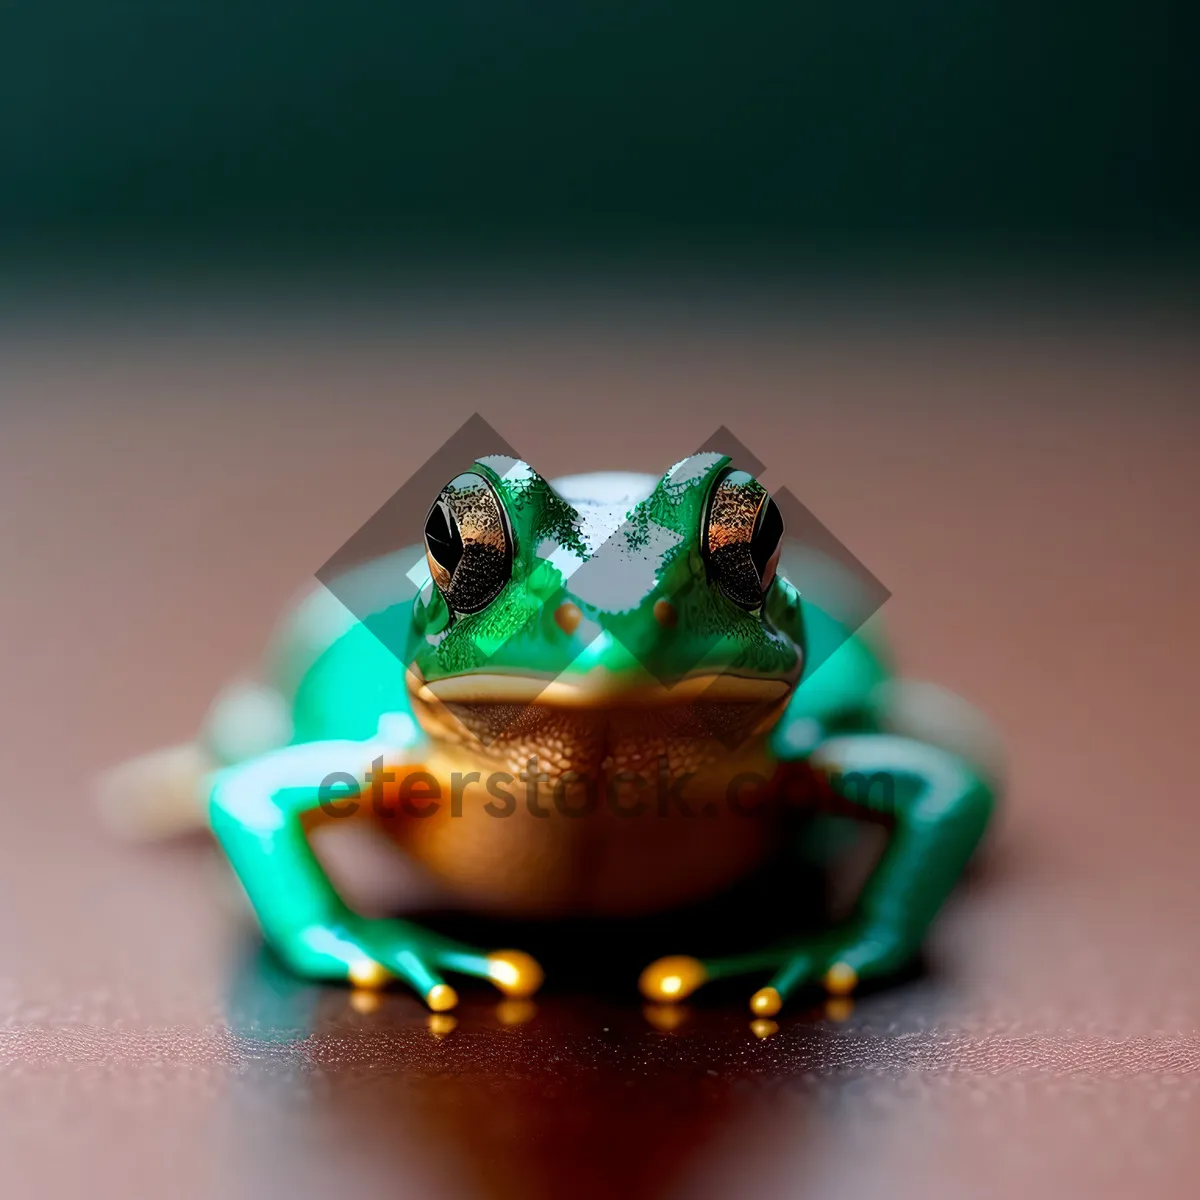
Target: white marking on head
620, 576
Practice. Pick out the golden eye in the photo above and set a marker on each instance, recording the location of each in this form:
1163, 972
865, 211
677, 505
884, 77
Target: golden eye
468, 543
743, 532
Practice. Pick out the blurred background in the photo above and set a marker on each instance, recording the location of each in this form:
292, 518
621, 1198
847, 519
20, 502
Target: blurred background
767, 135
935, 264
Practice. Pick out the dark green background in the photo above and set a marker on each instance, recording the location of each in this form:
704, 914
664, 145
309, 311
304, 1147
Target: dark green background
782, 127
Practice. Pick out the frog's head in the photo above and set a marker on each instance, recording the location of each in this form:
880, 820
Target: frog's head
603, 594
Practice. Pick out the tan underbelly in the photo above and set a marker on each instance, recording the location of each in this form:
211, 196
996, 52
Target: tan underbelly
609, 828
596, 863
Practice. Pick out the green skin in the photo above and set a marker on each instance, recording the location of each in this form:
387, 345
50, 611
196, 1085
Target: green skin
350, 703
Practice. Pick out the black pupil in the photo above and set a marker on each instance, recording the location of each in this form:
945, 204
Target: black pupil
766, 535
443, 539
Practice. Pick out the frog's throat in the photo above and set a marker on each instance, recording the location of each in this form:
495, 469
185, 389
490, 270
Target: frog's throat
598, 688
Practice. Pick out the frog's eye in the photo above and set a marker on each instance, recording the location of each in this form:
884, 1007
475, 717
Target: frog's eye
743, 531
468, 542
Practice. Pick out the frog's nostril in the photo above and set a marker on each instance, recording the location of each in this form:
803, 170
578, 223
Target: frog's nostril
568, 616
665, 614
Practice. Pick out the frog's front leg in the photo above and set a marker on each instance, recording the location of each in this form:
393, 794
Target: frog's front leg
257, 813
938, 807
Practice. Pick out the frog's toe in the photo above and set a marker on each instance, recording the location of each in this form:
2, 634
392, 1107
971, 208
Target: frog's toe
330, 952
672, 978
514, 972
798, 972
766, 1002
441, 998
367, 973
389, 950
838, 963
366, 954
417, 971
397, 950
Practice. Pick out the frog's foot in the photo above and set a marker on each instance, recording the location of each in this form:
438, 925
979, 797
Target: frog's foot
672, 978
839, 961
370, 953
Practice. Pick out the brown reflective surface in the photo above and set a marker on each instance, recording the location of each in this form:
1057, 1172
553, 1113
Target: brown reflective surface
1031, 500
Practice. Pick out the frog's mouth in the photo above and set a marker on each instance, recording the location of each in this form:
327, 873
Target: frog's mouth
600, 689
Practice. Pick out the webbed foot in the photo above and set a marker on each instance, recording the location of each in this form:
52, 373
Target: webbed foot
839, 961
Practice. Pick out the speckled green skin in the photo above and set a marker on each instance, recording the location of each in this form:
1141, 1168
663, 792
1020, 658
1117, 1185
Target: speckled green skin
350, 704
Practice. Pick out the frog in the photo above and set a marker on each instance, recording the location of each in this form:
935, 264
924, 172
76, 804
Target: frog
594, 695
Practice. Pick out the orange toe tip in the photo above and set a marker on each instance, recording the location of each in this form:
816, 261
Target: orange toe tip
763, 1027
841, 979
514, 972
367, 973
766, 1002
672, 978
441, 997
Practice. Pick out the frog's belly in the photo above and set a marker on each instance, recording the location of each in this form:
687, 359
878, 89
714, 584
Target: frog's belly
606, 831
597, 844
600, 863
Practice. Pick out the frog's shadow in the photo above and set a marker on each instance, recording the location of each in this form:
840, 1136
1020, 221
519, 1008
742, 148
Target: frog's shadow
603, 956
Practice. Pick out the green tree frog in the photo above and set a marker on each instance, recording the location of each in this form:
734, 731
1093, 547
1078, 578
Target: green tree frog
591, 695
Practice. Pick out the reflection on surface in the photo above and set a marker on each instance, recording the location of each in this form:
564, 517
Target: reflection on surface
515, 1010
580, 1095
839, 1008
441, 1024
666, 1017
